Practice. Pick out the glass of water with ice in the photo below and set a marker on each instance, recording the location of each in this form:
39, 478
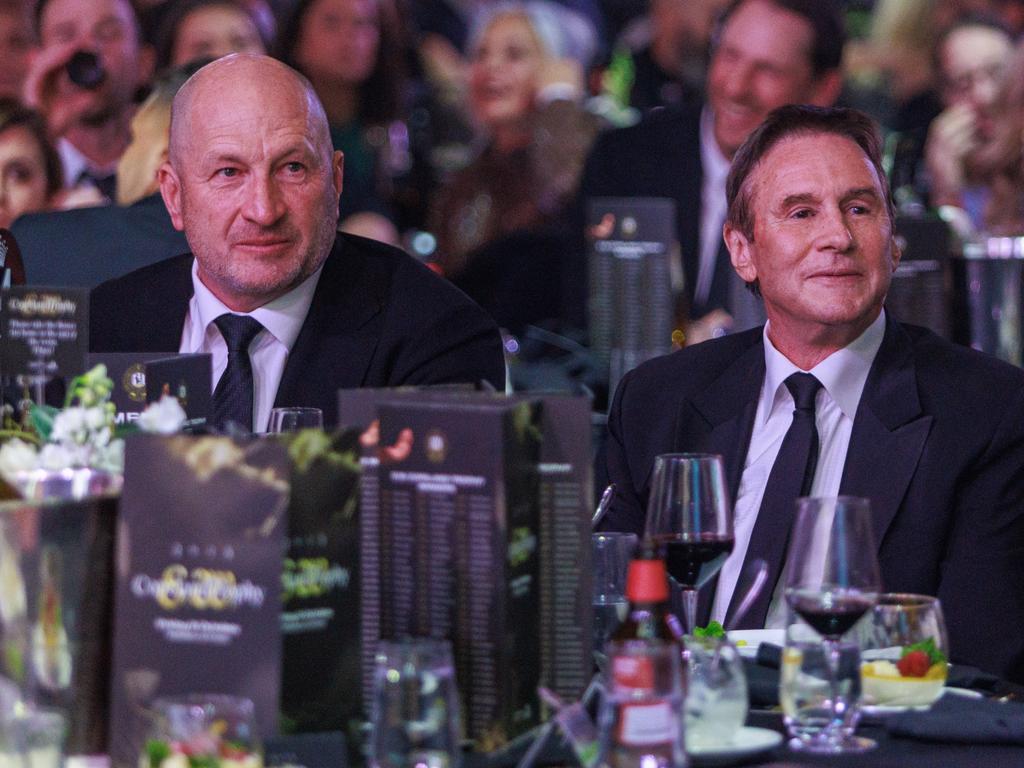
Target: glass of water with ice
611, 555
716, 696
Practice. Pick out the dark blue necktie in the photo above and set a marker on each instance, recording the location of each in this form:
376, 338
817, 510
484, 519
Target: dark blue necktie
107, 184
791, 477
233, 397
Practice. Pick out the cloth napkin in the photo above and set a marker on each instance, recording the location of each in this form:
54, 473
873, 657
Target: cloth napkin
960, 720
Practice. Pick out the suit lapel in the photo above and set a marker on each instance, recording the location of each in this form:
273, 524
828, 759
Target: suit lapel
163, 328
889, 432
334, 349
723, 417
724, 412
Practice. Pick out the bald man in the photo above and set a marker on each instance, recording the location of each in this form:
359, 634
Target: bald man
290, 309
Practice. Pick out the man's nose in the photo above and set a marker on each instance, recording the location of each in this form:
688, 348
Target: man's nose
736, 80
263, 203
836, 232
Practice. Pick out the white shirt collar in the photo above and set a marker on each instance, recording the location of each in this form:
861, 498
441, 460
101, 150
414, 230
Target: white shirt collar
842, 374
713, 163
282, 318
75, 163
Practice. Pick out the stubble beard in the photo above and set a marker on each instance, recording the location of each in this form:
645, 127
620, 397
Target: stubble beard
240, 281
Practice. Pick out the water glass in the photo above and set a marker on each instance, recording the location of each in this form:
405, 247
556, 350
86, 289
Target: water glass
611, 555
415, 712
806, 686
905, 651
641, 716
33, 738
716, 694
209, 729
294, 419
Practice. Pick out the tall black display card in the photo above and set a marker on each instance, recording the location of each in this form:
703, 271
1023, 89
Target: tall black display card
44, 332
186, 377
198, 569
322, 663
56, 602
635, 275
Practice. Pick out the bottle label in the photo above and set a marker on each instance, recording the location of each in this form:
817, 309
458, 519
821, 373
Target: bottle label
635, 673
647, 725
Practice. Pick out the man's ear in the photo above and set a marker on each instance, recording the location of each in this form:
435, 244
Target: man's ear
170, 191
897, 252
338, 170
739, 252
826, 88
146, 63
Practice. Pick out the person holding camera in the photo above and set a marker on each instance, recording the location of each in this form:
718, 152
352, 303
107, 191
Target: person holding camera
88, 65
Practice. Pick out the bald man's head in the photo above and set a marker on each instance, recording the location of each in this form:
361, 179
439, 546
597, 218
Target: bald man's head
254, 79
252, 178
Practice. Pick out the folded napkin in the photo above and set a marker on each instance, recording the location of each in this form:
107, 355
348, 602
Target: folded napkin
960, 720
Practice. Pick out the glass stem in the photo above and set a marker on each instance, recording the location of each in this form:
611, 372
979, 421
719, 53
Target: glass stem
690, 607
834, 651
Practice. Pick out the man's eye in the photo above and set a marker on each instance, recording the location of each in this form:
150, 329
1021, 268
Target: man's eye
295, 167
802, 213
227, 173
860, 210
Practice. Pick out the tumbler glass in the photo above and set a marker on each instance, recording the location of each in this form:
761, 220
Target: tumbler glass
415, 712
611, 555
294, 419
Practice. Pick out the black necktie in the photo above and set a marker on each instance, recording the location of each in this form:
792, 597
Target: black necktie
105, 184
790, 478
232, 399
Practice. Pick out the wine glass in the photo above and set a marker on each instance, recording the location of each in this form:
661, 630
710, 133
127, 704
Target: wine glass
832, 580
689, 514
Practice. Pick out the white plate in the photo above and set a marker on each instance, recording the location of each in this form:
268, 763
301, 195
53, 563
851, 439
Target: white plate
748, 742
874, 710
752, 638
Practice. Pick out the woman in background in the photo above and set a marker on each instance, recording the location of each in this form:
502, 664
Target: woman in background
348, 50
206, 29
1001, 162
501, 219
30, 171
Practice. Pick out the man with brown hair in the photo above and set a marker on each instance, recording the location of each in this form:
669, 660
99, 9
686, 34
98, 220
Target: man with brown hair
840, 398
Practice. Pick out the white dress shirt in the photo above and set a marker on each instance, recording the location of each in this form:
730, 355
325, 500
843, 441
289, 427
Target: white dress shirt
74, 164
714, 171
842, 375
281, 319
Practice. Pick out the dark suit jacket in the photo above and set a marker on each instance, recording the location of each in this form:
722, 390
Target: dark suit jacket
657, 157
937, 446
85, 246
378, 319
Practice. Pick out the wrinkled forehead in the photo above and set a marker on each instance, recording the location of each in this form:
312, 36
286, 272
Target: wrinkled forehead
812, 164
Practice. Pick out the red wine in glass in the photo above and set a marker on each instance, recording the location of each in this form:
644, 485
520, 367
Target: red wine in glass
693, 559
830, 614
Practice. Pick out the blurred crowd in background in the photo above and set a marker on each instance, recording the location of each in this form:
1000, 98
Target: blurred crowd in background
467, 124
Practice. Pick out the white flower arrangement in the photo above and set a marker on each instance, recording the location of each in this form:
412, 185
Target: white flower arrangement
83, 433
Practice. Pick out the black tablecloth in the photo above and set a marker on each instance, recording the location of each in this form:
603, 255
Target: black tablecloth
891, 752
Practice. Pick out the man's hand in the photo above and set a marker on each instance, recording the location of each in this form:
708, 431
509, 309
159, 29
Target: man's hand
49, 90
951, 139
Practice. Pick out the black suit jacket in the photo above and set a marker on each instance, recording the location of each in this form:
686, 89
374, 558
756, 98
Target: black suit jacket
378, 319
86, 246
657, 157
937, 446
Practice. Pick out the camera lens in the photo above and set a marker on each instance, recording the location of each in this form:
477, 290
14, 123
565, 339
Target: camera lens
85, 70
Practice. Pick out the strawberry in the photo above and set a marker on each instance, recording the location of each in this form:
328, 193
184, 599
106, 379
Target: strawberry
914, 664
